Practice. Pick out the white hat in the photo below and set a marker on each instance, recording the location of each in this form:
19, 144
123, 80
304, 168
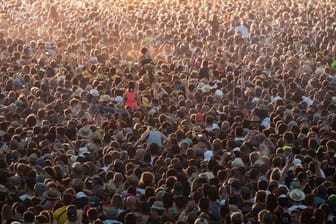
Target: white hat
297, 195
81, 194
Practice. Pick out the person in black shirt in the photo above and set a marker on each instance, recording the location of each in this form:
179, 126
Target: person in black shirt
204, 71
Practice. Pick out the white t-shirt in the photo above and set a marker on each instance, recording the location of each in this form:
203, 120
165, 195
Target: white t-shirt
243, 30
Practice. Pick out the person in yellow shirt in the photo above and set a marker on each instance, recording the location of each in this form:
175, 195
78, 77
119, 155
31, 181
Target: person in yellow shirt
60, 214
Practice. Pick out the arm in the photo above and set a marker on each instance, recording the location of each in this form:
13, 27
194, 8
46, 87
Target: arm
286, 167
318, 171
164, 137
142, 138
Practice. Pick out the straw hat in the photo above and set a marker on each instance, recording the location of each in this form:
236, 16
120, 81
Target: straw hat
52, 194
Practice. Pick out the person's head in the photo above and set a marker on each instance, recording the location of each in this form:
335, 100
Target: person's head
146, 179
236, 218
92, 214
260, 196
204, 205
144, 50
265, 217
71, 212
131, 203
67, 199
6, 212
157, 209
131, 86
117, 201
283, 200
28, 217
129, 218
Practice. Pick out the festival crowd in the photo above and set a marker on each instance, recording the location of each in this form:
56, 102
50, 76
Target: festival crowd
172, 111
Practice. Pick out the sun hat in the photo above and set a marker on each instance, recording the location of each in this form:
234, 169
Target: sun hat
85, 132
52, 194
297, 195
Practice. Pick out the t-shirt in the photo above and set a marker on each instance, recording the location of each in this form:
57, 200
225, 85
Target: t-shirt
204, 73
242, 30
60, 215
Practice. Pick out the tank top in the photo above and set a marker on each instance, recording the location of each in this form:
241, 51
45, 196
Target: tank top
131, 100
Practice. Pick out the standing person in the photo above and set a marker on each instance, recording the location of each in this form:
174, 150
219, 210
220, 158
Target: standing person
204, 71
51, 197
131, 98
60, 214
156, 212
145, 59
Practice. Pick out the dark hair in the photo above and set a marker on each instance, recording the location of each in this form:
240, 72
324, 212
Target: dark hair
131, 86
28, 216
71, 213
92, 213
144, 50
204, 204
129, 218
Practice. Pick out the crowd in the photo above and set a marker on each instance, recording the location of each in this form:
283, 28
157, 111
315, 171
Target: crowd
172, 111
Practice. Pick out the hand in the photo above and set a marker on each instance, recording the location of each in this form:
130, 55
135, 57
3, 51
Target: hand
291, 158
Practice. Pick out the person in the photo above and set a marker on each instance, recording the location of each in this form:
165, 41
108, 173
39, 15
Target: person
72, 215
153, 135
271, 90
60, 214
131, 98
145, 60
156, 212
241, 29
